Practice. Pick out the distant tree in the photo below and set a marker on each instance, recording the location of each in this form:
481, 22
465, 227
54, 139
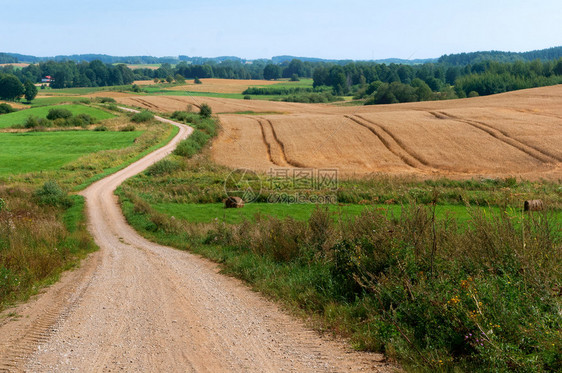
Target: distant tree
30, 90
295, 78
558, 67
271, 72
169, 79
179, 79
422, 89
197, 81
11, 88
205, 111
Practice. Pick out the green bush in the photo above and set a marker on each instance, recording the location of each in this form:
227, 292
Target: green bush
205, 111
128, 128
112, 107
143, 116
35, 122
247, 97
2, 205
5, 108
101, 128
164, 167
137, 89
85, 119
106, 100
56, 113
52, 194
184, 116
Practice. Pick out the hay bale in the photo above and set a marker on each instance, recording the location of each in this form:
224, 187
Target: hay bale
233, 203
533, 205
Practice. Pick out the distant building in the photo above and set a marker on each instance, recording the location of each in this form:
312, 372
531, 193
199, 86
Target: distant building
47, 79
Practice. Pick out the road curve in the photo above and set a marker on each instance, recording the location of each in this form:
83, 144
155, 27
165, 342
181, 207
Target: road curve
138, 306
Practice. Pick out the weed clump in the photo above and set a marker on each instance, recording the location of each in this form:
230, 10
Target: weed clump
52, 194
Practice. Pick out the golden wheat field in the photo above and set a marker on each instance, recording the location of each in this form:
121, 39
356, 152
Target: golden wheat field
512, 134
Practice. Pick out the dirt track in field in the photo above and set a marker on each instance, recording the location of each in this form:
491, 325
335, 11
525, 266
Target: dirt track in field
138, 306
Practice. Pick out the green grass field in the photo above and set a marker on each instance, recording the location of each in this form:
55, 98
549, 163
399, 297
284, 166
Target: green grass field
19, 117
39, 151
46, 101
211, 212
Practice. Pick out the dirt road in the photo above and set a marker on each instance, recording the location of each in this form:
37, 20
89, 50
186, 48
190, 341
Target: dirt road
138, 306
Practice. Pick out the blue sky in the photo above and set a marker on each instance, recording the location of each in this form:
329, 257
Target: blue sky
350, 29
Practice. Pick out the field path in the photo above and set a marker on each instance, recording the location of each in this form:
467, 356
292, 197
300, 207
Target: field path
138, 306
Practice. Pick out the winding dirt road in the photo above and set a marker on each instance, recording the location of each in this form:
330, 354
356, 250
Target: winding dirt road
138, 306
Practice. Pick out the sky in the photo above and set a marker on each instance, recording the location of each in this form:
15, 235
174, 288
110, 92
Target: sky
251, 29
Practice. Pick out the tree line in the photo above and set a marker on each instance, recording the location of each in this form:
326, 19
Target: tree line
384, 84
377, 82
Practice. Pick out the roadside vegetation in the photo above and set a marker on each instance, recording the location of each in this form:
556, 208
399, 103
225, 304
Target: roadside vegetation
42, 223
440, 275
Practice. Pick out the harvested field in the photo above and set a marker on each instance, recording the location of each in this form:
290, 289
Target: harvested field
166, 104
512, 134
223, 85
19, 64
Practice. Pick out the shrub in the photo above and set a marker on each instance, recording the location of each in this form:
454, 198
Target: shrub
85, 119
247, 97
164, 167
205, 111
112, 107
2, 205
128, 128
143, 116
197, 81
61, 122
106, 100
52, 194
101, 128
181, 115
136, 88
56, 113
5, 109
31, 122
179, 79
35, 122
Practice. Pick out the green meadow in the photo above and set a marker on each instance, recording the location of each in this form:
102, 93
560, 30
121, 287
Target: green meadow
41, 151
19, 117
212, 212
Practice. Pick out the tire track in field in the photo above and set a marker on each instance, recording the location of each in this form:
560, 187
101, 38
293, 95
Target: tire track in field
532, 151
198, 106
391, 143
146, 103
285, 161
265, 142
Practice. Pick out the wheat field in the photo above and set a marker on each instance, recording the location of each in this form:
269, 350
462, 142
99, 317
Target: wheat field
515, 134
